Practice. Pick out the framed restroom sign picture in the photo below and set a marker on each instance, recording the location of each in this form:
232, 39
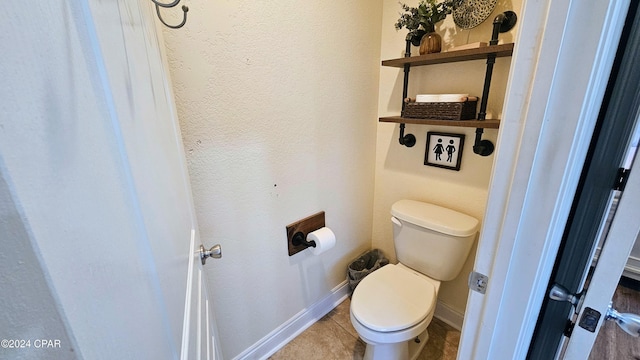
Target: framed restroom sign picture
444, 150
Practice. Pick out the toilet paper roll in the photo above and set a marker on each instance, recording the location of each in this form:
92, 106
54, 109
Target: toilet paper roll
324, 238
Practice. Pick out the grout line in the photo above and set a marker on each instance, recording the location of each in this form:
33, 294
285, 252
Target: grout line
348, 331
330, 316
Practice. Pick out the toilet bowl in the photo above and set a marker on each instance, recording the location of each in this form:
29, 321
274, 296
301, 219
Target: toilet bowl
392, 307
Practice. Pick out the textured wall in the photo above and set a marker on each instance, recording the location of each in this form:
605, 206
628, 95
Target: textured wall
277, 104
400, 172
87, 244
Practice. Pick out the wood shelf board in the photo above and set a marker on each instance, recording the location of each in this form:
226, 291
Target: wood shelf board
485, 124
502, 50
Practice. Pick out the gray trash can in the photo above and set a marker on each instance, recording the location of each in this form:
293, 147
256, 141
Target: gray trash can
364, 265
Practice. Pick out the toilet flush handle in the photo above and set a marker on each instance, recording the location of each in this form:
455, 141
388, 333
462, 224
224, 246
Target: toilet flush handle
396, 221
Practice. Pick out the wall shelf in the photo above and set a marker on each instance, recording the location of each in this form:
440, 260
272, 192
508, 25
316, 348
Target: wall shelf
503, 50
485, 124
502, 23
488, 53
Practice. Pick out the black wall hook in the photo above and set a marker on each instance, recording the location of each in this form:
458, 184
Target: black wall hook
175, 3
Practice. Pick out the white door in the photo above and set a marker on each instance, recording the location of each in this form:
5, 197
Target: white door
91, 152
144, 104
130, 34
200, 331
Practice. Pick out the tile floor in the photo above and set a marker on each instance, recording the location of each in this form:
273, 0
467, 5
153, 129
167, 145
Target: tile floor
333, 338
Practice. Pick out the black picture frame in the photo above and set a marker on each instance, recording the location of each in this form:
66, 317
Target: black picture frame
444, 150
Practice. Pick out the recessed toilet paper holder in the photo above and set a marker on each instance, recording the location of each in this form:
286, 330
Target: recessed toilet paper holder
300, 239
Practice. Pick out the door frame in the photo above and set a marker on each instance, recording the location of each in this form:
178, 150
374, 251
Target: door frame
624, 226
618, 117
557, 82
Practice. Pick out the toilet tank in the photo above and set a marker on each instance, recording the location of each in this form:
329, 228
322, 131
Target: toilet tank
432, 239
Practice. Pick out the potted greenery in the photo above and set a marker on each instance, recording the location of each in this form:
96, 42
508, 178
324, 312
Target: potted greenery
422, 20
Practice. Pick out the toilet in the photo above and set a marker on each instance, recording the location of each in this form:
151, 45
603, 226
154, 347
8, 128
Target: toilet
392, 307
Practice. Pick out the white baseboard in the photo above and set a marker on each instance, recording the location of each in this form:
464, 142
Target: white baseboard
283, 334
632, 268
448, 315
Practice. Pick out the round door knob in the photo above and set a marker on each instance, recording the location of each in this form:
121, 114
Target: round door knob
628, 322
215, 252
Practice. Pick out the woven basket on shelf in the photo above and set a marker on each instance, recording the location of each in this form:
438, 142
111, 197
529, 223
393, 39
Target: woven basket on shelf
441, 110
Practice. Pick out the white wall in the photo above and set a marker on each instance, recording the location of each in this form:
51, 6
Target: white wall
400, 172
30, 312
277, 104
78, 224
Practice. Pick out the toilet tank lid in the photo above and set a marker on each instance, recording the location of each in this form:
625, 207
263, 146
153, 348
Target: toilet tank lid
434, 217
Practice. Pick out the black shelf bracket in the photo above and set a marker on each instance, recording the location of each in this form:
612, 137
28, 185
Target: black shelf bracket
407, 140
502, 23
482, 147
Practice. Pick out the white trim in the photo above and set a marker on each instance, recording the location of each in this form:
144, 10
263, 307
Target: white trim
448, 315
293, 327
632, 273
511, 173
199, 313
186, 319
633, 264
536, 171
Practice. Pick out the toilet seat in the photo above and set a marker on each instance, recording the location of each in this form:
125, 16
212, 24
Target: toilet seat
392, 298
